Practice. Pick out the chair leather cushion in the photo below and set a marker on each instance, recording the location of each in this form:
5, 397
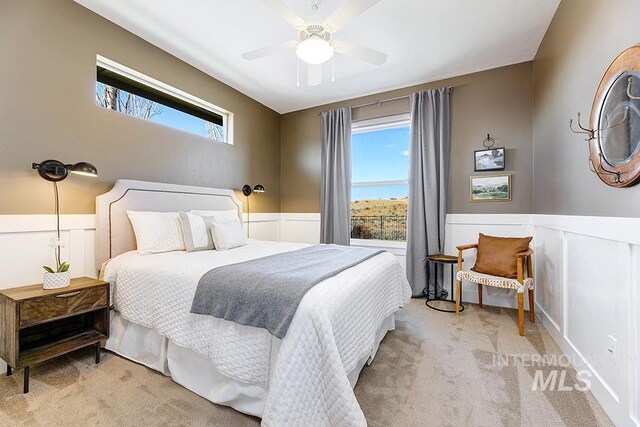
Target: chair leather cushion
497, 255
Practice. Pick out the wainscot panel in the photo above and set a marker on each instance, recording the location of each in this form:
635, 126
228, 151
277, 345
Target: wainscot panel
300, 227
588, 281
587, 278
548, 274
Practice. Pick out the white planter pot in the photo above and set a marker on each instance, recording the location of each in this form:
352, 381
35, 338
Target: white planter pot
56, 280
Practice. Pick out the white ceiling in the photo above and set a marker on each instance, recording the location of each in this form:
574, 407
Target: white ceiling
426, 40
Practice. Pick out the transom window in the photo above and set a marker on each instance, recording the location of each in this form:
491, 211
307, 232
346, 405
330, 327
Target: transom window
380, 174
125, 90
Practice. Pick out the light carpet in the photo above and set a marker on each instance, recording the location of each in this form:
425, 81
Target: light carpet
434, 369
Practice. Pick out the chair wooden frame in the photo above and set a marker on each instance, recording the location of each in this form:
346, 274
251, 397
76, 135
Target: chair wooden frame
524, 263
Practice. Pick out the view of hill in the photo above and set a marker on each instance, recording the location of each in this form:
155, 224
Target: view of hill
379, 207
380, 219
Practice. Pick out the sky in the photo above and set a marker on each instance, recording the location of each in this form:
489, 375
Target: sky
380, 155
179, 120
176, 119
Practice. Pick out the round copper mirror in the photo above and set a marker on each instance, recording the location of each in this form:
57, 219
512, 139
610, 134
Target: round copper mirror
615, 119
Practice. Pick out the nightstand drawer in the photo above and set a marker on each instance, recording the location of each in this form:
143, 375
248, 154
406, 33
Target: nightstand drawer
50, 307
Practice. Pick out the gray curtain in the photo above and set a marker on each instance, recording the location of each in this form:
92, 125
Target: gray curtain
335, 187
428, 179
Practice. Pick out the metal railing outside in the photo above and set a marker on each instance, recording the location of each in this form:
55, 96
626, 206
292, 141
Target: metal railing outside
379, 227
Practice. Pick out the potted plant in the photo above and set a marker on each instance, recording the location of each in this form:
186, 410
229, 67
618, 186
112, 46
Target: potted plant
57, 277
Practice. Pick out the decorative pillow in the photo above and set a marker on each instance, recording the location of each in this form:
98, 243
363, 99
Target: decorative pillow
227, 235
497, 255
157, 231
228, 215
196, 232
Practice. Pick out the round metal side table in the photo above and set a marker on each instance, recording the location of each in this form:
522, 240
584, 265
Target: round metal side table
443, 260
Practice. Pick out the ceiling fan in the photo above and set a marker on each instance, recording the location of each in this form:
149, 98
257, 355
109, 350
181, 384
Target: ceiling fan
315, 44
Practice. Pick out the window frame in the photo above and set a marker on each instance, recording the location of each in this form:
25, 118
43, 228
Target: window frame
368, 125
171, 92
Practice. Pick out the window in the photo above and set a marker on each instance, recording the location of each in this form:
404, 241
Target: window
127, 91
380, 174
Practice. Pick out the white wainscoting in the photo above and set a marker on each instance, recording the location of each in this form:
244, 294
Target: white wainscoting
262, 226
587, 279
26, 240
587, 290
300, 227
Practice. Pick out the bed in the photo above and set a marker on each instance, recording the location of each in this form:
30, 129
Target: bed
307, 377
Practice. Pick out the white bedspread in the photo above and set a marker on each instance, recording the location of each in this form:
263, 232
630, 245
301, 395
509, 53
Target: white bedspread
306, 371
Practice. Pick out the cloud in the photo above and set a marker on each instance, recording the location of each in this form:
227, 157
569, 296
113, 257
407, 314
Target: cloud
405, 153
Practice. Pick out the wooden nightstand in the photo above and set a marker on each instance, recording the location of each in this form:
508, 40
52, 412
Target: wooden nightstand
38, 325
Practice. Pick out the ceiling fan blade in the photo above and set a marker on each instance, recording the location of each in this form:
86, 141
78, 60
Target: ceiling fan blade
269, 50
362, 53
285, 13
347, 12
314, 74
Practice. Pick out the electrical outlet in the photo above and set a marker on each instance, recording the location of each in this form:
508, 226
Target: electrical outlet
613, 349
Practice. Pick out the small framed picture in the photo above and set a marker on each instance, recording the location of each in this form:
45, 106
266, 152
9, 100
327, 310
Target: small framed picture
489, 160
490, 188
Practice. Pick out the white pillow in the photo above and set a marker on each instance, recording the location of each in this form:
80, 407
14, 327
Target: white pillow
228, 215
196, 232
157, 231
227, 235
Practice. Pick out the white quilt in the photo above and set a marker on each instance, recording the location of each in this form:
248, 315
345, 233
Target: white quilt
306, 371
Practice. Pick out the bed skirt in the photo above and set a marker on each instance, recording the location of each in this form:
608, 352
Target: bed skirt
197, 373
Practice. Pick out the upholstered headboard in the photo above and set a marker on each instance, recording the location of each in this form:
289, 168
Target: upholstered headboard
114, 234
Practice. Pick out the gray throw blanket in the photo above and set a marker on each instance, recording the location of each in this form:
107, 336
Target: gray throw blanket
266, 292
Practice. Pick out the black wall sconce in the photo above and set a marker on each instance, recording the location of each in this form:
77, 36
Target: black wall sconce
56, 171
247, 191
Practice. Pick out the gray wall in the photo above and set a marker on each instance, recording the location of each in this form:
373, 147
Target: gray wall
47, 110
496, 101
583, 39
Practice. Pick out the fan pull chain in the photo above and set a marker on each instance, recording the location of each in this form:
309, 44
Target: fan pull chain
297, 72
333, 68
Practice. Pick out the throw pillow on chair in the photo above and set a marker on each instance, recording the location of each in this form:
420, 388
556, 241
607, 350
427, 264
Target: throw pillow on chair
503, 262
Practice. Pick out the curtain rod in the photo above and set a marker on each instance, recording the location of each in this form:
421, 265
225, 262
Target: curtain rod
381, 101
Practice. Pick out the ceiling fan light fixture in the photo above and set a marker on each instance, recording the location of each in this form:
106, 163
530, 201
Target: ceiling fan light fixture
314, 50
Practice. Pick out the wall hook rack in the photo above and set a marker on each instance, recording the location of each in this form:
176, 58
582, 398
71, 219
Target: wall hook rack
592, 168
630, 82
591, 133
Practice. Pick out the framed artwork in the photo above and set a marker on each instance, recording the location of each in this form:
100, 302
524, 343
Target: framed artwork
490, 188
491, 159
